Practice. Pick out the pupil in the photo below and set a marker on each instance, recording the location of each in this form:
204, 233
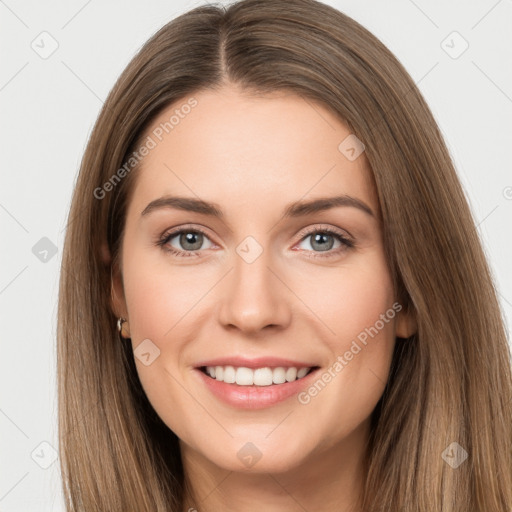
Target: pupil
320, 238
188, 238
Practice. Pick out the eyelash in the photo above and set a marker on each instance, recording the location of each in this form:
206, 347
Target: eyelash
166, 237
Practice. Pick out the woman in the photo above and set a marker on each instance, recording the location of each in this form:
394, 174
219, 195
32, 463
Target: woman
248, 370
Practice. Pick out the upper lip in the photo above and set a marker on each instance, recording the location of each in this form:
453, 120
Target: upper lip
256, 362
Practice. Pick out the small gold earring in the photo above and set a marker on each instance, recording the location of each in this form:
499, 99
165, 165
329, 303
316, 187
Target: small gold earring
120, 322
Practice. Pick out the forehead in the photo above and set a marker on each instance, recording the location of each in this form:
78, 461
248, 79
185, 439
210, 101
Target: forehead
245, 151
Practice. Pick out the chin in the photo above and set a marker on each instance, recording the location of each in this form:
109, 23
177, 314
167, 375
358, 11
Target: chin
257, 456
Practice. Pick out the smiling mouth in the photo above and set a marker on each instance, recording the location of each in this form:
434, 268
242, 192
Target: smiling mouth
265, 376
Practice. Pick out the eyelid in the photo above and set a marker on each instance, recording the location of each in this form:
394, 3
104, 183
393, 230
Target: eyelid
324, 228
185, 227
302, 233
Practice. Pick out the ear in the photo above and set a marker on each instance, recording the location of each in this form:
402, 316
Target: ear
405, 324
117, 299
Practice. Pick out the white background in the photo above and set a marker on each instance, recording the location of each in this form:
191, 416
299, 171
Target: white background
48, 107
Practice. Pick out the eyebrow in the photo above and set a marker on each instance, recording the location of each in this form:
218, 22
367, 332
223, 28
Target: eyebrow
295, 209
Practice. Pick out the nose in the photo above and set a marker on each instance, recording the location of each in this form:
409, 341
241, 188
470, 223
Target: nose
254, 296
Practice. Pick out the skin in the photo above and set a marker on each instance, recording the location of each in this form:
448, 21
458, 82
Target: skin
253, 155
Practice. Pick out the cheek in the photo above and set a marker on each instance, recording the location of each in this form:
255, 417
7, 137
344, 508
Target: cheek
349, 299
159, 295
357, 305
158, 301
163, 302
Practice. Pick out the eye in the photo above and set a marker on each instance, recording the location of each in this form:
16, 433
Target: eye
322, 240
191, 240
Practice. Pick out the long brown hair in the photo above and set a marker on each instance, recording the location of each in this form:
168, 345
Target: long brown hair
449, 383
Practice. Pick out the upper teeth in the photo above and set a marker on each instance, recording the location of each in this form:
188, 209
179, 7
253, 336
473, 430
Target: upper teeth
259, 376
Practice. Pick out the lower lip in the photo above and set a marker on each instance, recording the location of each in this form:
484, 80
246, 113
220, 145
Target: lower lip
255, 397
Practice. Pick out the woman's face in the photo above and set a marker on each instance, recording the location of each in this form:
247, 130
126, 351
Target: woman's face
265, 288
